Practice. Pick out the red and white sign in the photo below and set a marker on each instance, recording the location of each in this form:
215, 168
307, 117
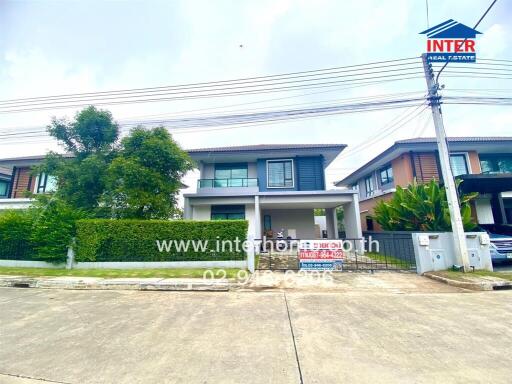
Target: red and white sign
320, 244
323, 254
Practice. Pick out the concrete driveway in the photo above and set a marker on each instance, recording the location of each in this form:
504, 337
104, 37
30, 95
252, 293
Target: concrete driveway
359, 336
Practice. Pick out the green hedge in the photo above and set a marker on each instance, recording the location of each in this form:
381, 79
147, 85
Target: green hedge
136, 240
15, 235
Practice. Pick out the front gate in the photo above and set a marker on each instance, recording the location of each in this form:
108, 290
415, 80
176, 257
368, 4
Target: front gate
352, 260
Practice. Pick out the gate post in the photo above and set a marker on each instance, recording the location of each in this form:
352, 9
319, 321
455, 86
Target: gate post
250, 254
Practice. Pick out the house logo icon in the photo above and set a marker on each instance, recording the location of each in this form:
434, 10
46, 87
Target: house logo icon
451, 41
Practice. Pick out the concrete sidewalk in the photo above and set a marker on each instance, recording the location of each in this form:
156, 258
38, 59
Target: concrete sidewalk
359, 336
380, 282
137, 284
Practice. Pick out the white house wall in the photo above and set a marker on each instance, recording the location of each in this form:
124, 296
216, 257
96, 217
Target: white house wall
201, 212
250, 217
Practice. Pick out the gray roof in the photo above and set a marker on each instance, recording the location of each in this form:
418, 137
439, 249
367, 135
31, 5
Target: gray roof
268, 147
467, 139
420, 143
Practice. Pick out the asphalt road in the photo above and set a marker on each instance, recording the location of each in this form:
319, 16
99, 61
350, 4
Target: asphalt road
360, 336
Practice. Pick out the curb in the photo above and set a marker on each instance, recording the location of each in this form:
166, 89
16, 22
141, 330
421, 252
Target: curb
474, 286
220, 285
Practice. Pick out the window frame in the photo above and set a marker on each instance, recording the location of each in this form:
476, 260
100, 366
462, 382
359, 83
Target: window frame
229, 167
367, 192
284, 181
466, 161
40, 188
494, 158
7, 186
389, 180
228, 210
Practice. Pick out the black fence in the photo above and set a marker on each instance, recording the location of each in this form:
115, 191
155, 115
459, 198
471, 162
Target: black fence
17, 250
391, 251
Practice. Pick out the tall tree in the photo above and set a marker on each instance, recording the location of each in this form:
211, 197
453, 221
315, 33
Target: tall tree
144, 179
91, 138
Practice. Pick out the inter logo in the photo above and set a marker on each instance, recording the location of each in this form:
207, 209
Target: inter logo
451, 41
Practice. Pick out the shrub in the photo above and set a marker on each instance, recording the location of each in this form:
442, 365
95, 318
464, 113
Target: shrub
136, 240
53, 228
421, 207
15, 235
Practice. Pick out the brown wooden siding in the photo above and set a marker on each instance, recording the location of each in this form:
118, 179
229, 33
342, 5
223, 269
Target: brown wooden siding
474, 162
425, 166
23, 182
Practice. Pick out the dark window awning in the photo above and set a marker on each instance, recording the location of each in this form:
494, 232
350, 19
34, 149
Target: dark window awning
486, 183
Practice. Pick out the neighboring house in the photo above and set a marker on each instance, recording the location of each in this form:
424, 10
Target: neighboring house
22, 181
483, 163
275, 187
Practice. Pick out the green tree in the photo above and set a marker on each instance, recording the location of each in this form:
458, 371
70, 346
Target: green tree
91, 138
144, 179
421, 207
137, 177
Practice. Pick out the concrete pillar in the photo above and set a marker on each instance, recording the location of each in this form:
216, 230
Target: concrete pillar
353, 222
335, 224
330, 214
187, 209
257, 217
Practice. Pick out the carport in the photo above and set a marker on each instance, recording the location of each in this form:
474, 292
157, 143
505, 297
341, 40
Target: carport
494, 205
294, 213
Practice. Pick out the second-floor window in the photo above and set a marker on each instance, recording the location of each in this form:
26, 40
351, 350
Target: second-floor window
280, 173
45, 183
496, 163
459, 164
230, 175
368, 184
4, 188
386, 175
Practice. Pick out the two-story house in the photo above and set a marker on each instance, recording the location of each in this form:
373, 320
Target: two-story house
22, 181
275, 187
483, 163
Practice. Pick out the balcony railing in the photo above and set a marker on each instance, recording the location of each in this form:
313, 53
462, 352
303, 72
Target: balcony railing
226, 183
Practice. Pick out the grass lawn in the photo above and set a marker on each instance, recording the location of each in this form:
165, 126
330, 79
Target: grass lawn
461, 275
389, 259
112, 273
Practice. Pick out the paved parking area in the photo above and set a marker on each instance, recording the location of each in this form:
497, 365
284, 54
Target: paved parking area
290, 336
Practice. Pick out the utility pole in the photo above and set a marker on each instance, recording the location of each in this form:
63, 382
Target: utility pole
459, 239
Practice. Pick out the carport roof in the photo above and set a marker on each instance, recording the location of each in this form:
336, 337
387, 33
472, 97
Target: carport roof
486, 183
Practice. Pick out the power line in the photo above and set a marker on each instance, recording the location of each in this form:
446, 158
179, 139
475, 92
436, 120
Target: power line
184, 96
253, 79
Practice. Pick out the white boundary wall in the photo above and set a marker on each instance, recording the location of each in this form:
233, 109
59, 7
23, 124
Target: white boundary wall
434, 251
128, 264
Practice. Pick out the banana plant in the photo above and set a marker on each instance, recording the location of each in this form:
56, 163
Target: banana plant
422, 207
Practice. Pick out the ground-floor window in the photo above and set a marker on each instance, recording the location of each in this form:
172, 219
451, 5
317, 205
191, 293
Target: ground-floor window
228, 212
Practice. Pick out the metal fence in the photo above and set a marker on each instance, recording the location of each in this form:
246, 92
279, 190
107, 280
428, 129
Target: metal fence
395, 252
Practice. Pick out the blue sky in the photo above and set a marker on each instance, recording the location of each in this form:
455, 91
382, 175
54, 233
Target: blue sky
55, 47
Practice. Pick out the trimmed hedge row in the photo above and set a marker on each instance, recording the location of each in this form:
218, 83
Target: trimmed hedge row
136, 240
15, 236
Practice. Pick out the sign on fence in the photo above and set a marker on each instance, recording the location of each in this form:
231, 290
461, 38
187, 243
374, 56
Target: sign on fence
321, 255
